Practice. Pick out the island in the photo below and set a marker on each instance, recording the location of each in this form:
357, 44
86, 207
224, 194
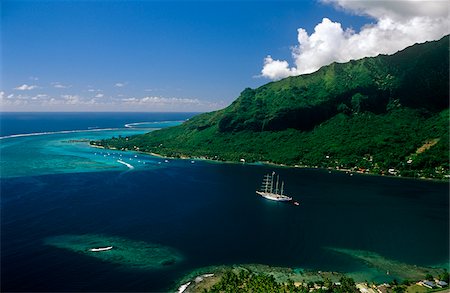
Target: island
384, 115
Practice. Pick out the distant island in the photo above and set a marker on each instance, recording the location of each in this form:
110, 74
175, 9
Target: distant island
383, 115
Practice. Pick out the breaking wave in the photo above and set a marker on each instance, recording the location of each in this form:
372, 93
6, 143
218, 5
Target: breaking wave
56, 132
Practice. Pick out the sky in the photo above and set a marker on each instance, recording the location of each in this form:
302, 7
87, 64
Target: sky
188, 56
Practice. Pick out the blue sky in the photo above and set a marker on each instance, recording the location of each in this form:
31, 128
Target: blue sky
150, 55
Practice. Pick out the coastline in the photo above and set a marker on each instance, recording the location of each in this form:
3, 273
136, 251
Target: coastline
350, 172
204, 278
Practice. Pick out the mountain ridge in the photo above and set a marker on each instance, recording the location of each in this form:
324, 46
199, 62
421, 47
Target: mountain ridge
368, 114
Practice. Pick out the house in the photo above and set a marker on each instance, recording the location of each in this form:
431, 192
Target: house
392, 171
384, 288
428, 284
363, 288
441, 284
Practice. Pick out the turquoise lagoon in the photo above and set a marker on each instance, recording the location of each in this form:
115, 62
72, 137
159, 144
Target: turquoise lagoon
60, 197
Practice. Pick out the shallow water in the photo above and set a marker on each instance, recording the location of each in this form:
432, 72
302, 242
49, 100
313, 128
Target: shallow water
205, 214
127, 253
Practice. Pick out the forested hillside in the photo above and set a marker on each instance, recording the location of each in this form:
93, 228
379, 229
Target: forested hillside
385, 114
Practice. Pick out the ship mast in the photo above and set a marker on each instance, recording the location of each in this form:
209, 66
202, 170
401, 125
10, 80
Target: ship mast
271, 183
282, 186
276, 187
266, 183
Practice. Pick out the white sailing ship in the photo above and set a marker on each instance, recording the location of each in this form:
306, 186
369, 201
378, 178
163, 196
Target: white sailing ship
269, 191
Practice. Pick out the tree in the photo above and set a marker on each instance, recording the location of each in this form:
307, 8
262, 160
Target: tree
347, 285
445, 276
343, 108
359, 102
399, 289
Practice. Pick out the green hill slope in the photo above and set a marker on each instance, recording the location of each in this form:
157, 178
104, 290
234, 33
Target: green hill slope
386, 114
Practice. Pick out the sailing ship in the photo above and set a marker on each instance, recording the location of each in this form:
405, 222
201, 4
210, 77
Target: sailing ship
269, 191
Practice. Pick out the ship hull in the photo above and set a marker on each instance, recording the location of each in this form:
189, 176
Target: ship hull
273, 196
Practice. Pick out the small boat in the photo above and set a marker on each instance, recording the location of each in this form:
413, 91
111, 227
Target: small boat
268, 191
296, 203
101, 249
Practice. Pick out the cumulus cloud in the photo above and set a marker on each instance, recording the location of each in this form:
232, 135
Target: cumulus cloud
77, 102
71, 99
14, 100
275, 69
162, 101
120, 84
39, 97
25, 87
398, 24
172, 104
59, 85
397, 10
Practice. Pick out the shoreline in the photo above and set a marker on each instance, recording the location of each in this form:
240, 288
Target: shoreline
267, 163
204, 278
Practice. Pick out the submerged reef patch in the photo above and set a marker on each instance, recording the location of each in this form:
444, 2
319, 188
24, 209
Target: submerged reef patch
129, 253
396, 268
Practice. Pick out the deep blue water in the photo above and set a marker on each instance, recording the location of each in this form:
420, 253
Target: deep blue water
211, 215
18, 123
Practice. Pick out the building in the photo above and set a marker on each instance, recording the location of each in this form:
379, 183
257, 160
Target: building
428, 284
441, 284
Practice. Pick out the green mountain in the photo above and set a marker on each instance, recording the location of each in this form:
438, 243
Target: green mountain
385, 114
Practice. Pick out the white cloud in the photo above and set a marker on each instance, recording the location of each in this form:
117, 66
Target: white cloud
169, 104
398, 10
161, 101
276, 69
59, 85
40, 96
71, 99
120, 84
25, 87
13, 100
398, 24
156, 89
76, 102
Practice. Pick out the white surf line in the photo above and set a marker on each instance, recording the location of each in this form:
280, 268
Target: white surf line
131, 125
126, 164
56, 132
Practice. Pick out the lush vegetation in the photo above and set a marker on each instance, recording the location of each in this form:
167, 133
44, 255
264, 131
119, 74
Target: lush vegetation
246, 281
387, 115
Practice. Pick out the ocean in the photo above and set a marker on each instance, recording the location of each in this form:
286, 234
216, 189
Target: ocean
165, 218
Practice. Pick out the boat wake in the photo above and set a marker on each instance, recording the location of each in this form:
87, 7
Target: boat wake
131, 167
153, 124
